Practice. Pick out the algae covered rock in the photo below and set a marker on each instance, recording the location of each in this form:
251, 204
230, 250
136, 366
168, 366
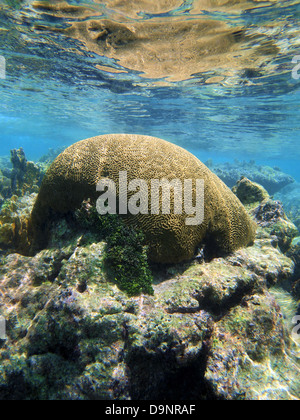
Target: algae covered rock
74, 174
14, 216
5, 186
250, 192
294, 253
267, 212
270, 215
210, 331
19, 176
26, 176
46, 160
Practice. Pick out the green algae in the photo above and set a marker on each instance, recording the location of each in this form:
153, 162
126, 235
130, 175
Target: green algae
210, 329
250, 192
125, 255
127, 261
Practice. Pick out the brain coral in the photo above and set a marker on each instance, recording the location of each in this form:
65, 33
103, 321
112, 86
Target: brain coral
74, 174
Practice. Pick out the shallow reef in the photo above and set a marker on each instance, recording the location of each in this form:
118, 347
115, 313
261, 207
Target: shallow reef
211, 330
20, 181
271, 216
249, 192
171, 236
26, 176
294, 253
215, 329
14, 215
272, 179
18, 176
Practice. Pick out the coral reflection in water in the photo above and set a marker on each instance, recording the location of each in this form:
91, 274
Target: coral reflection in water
163, 42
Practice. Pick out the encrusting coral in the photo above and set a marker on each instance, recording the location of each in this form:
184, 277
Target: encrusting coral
250, 192
25, 176
14, 215
74, 174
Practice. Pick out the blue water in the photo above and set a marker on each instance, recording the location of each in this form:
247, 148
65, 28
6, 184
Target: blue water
220, 78
55, 93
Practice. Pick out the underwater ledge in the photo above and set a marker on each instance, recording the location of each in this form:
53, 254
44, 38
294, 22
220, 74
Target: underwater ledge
218, 329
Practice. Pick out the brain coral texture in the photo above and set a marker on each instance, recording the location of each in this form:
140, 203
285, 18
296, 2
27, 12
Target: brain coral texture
74, 174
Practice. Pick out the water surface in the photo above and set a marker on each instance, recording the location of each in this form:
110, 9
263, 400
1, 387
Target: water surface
214, 76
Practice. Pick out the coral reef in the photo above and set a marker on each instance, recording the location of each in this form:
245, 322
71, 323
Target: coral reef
46, 160
19, 182
26, 177
14, 215
73, 177
20, 177
127, 259
271, 216
215, 329
272, 179
294, 253
249, 192
210, 331
5, 186
5, 178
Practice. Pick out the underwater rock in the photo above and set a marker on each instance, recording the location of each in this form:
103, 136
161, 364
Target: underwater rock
26, 177
211, 330
271, 179
14, 215
249, 192
73, 177
270, 215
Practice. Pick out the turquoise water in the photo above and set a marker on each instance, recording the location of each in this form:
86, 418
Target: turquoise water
237, 101
220, 78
